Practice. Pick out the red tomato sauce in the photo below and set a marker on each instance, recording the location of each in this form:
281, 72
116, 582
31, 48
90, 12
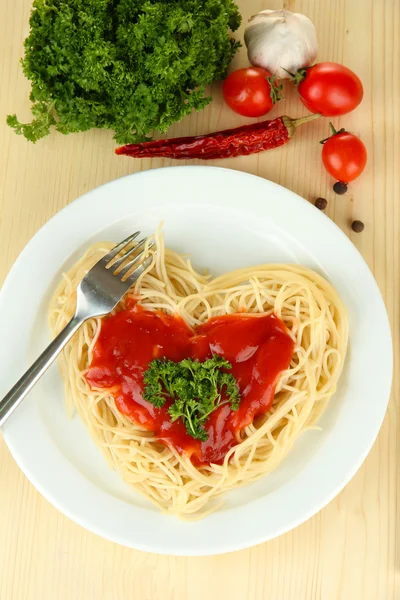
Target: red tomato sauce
258, 347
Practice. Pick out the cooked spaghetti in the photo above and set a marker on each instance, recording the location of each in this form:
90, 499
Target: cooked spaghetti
314, 318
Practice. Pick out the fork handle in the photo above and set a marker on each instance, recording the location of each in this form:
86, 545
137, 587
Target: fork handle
15, 396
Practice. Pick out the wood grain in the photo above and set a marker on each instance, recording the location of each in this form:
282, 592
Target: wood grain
349, 551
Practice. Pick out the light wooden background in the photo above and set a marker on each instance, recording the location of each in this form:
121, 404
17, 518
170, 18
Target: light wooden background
349, 551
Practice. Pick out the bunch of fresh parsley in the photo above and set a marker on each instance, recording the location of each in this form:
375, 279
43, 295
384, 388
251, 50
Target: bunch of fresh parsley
196, 389
134, 66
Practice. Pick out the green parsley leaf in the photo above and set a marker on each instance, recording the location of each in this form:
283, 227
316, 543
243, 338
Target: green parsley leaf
196, 388
133, 66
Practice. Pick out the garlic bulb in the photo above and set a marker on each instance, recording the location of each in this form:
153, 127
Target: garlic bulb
279, 39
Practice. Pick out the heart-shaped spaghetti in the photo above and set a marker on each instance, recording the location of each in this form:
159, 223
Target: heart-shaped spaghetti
305, 310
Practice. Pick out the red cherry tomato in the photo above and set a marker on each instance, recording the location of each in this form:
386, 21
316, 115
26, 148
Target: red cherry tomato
344, 156
330, 89
249, 92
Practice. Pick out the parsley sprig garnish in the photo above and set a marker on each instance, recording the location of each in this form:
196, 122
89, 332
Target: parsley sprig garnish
196, 388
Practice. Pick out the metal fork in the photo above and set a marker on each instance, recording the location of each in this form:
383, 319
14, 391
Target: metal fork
97, 294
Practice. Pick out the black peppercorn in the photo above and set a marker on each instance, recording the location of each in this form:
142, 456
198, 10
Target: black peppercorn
340, 187
357, 226
321, 203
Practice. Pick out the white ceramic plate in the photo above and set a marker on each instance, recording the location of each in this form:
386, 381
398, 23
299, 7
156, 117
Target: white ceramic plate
225, 220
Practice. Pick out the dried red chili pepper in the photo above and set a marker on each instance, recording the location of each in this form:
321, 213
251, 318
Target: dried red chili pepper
241, 141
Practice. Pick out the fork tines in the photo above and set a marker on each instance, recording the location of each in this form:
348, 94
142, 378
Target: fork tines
121, 266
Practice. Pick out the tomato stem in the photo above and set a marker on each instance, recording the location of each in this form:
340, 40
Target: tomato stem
331, 125
276, 90
334, 132
299, 76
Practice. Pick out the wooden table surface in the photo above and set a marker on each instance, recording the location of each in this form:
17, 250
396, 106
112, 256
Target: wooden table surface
349, 551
